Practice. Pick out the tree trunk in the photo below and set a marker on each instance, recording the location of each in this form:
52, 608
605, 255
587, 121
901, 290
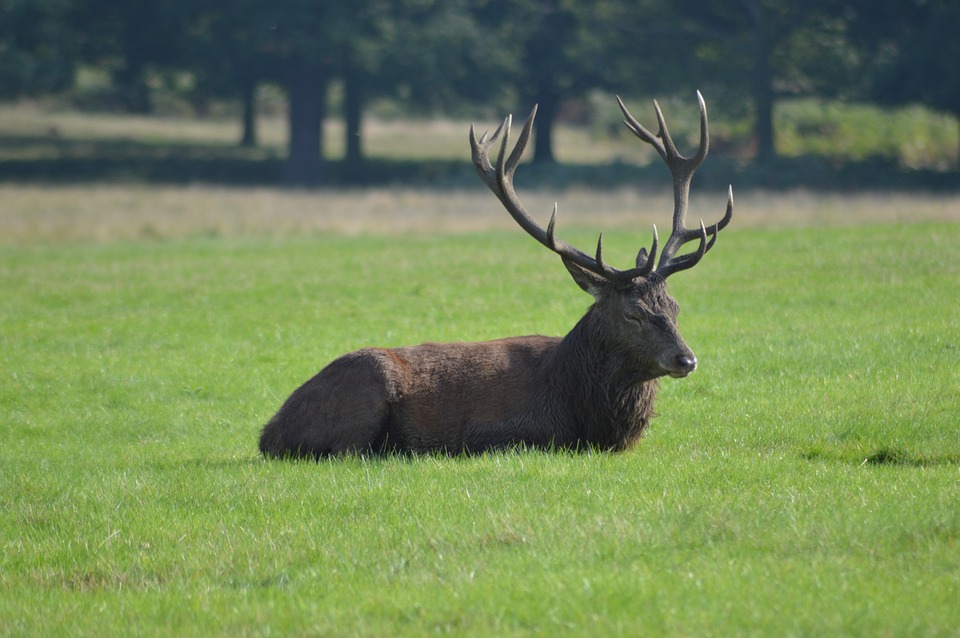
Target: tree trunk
248, 98
353, 117
307, 93
133, 89
956, 161
547, 110
763, 98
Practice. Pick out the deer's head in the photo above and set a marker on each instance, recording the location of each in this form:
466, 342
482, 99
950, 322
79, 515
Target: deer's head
633, 312
637, 319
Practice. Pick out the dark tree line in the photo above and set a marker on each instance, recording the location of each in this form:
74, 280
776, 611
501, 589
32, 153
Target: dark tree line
436, 54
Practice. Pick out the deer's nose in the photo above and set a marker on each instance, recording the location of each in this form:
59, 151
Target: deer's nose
687, 363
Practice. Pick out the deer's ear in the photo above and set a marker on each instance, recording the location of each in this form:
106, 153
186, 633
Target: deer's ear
590, 282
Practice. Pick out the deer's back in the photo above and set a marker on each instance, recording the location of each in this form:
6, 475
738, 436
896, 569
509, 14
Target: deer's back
468, 395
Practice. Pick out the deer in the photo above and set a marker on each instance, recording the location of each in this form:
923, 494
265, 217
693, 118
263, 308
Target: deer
592, 389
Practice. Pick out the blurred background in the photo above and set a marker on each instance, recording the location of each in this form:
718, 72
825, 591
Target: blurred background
862, 93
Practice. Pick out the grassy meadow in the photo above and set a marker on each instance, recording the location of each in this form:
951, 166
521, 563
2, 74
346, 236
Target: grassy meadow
803, 481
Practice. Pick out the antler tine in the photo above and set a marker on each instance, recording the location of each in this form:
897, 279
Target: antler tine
713, 229
514, 160
599, 258
481, 161
499, 179
502, 173
644, 261
640, 131
552, 241
704, 133
664, 134
689, 260
483, 138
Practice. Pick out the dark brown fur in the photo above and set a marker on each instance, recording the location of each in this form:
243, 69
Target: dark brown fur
593, 388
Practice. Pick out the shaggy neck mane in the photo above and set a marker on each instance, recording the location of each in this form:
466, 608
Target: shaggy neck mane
611, 400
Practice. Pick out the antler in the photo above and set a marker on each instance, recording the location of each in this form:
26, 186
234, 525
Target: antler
682, 169
500, 180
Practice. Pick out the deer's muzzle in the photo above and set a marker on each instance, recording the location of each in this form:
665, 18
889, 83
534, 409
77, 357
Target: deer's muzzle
683, 365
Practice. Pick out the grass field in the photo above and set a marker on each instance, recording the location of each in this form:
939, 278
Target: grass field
804, 481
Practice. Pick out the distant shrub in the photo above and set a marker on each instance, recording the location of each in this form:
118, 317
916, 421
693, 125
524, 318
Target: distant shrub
912, 137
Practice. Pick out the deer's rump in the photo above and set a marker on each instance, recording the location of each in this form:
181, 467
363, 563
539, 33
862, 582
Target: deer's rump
451, 397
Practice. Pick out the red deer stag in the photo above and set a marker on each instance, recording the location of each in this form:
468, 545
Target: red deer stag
593, 388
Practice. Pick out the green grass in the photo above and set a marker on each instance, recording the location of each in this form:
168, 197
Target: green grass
802, 482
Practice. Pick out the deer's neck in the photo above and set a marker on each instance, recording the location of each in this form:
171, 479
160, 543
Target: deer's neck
611, 401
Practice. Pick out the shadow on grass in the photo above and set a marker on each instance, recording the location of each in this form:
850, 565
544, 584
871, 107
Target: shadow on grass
52, 160
884, 456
